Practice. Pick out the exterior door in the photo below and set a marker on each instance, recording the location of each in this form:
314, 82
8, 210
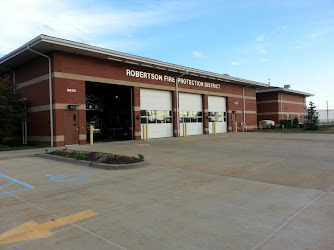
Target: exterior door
191, 114
71, 127
217, 114
156, 113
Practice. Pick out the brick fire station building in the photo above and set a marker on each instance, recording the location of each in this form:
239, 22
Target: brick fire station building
69, 86
274, 103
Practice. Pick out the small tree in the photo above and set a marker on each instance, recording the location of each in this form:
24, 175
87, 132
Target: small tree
12, 110
311, 118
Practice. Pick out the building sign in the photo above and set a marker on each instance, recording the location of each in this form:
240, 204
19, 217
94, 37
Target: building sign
167, 78
71, 90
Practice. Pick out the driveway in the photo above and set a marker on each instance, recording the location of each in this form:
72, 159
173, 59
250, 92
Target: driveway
228, 191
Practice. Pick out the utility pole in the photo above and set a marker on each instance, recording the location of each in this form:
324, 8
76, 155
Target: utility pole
327, 112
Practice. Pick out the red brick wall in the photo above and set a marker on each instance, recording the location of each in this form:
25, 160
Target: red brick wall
205, 102
275, 107
35, 68
82, 65
60, 94
38, 93
136, 105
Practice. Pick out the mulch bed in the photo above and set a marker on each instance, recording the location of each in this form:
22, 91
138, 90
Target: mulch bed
97, 156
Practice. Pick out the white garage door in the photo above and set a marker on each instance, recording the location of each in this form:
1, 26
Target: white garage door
217, 114
156, 113
191, 114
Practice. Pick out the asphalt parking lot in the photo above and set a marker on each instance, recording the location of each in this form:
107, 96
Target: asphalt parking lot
228, 191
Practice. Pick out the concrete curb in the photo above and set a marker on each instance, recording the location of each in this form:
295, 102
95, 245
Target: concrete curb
94, 164
16, 156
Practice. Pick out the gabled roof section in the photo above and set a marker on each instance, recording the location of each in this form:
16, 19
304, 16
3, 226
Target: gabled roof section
284, 90
45, 44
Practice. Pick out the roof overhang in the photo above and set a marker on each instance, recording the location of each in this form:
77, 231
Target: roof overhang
284, 90
45, 44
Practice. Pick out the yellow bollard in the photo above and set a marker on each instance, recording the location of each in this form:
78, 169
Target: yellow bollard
186, 130
146, 132
91, 134
142, 129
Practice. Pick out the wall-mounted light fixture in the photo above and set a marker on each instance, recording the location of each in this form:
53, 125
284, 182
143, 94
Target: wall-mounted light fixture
72, 106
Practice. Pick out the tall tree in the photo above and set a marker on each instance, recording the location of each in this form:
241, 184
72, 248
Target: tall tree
311, 118
12, 110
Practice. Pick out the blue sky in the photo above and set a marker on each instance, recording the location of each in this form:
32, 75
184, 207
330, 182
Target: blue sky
288, 42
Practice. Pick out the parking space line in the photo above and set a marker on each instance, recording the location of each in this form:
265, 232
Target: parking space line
265, 165
73, 225
292, 217
137, 205
142, 144
14, 181
202, 198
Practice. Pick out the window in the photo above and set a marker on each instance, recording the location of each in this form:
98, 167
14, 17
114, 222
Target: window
74, 120
191, 116
288, 116
155, 116
217, 116
299, 119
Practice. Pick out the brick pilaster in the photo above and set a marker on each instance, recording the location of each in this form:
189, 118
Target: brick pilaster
205, 105
136, 113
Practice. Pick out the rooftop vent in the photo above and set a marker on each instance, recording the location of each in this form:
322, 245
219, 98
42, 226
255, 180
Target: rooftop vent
286, 86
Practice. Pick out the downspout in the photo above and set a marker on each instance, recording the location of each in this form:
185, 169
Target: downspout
177, 101
281, 106
244, 106
50, 91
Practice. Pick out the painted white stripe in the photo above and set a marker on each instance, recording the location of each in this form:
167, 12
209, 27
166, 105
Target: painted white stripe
55, 106
125, 83
279, 101
284, 113
33, 81
46, 138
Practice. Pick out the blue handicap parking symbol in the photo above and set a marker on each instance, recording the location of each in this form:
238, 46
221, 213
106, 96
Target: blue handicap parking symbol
65, 177
12, 185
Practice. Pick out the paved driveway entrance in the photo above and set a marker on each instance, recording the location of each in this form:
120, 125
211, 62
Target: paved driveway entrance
231, 191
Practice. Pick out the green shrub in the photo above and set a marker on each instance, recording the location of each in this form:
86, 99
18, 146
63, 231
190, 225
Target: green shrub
286, 123
81, 156
141, 157
295, 123
301, 125
13, 143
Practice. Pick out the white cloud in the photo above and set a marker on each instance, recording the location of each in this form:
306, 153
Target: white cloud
274, 32
320, 33
235, 63
284, 27
197, 54
261, 37
262, 51
25, 20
